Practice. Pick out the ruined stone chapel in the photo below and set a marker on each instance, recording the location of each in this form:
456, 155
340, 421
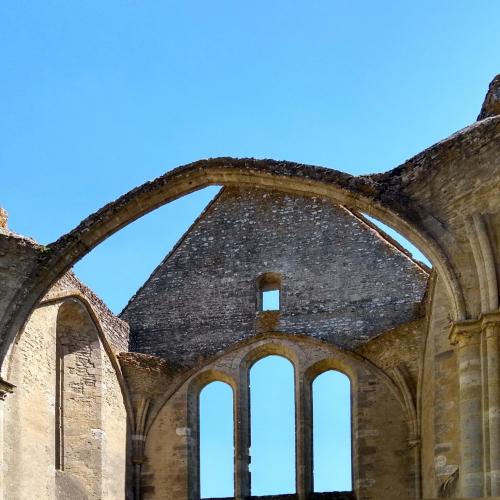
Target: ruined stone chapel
98, 406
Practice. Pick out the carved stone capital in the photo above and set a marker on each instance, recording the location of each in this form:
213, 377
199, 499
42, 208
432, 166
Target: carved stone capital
5, 388
468, 331
465, 332
490, 319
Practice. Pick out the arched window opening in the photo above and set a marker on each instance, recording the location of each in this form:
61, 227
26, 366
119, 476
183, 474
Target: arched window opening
415, 252
78, 418
272, 410
216, 441
269, 292
332, 462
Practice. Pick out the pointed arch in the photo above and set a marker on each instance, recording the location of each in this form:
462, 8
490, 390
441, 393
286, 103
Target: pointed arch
367, 194
332, 432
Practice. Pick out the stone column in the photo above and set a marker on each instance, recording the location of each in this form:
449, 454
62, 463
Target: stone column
467, 336
141, 408
242, 439
303, 433
491, 329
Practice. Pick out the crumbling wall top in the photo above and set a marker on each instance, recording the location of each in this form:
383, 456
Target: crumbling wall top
491, 104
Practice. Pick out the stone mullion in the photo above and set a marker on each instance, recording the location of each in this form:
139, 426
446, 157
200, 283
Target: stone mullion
303, 435
242, 438
139, 443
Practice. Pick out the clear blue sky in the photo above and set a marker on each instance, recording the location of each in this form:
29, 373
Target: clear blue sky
98, 97
273, 432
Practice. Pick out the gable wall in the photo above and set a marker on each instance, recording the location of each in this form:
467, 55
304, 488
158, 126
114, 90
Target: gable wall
334, 267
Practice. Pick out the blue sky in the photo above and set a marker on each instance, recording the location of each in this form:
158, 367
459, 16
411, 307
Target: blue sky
98, 97
273, 432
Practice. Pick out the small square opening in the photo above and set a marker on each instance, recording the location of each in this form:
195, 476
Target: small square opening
271, 300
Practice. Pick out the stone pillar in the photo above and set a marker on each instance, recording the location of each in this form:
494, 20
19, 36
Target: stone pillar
467, 336
491, 331
242, 439
304, 438
141, 408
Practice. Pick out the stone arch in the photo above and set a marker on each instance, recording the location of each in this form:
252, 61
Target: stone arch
280, 344
78, 412
272, 424
100, 418
310, 356
363, 193
328, 364
196, 385
59, 298
340, 456
272, 348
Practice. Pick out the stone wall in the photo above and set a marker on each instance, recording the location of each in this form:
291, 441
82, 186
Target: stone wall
440, 404
115, 330
94, 423
341, 281
78, 403
383, 461
29, 419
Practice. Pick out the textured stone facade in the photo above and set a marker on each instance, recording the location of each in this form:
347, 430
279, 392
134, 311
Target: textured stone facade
332, 263
84, 415
92, 437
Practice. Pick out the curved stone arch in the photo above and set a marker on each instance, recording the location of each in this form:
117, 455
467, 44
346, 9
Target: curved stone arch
291, 346
78, 357
337, 364
315, 370
195, 387
206, 377
274, 344
363, 193
58, 329
272, 348
60, 298
199, 371
291, 353
329, 364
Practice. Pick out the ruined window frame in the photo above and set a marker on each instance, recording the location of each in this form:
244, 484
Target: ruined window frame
268, 282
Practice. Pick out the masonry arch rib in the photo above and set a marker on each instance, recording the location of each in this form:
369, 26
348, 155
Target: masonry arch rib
74, 295
362, 193
199, 383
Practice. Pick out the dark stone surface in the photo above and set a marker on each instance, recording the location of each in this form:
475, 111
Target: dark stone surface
341, 281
